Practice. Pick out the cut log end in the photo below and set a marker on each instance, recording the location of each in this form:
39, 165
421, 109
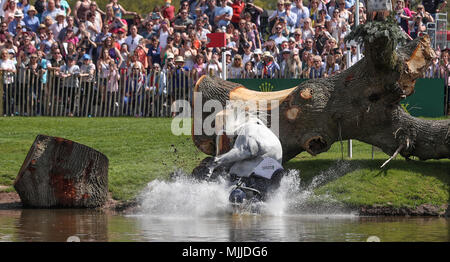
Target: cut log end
292, 113
306, 93
61, 173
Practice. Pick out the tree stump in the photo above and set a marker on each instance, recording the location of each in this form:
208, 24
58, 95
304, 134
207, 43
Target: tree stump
61, 173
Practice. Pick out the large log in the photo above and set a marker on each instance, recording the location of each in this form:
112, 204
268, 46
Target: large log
61, 173
361, 103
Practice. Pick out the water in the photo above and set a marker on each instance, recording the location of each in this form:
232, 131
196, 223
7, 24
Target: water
185, 210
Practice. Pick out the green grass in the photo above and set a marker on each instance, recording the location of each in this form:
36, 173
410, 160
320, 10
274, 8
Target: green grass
143, 149
139, 150
362, 182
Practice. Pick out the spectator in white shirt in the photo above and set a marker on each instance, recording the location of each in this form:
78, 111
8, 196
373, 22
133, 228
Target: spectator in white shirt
133, 40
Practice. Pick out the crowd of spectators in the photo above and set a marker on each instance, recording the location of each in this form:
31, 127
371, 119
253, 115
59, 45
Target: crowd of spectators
300, 39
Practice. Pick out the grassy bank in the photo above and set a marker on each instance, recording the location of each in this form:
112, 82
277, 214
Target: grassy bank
140, 150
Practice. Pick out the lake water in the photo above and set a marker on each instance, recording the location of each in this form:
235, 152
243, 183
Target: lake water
184, 210
90, 225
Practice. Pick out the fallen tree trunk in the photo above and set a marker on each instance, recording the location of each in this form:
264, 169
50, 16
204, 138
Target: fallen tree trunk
362, 103
61, 173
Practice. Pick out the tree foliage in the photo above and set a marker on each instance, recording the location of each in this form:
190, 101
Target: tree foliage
370, 31
141, 7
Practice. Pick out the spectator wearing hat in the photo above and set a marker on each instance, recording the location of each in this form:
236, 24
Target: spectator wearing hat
31, 20
223, 14
256, 59
60, 23
169, 63
270, 68
228, 59
18, 20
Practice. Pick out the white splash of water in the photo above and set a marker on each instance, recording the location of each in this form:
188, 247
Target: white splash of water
185, 197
